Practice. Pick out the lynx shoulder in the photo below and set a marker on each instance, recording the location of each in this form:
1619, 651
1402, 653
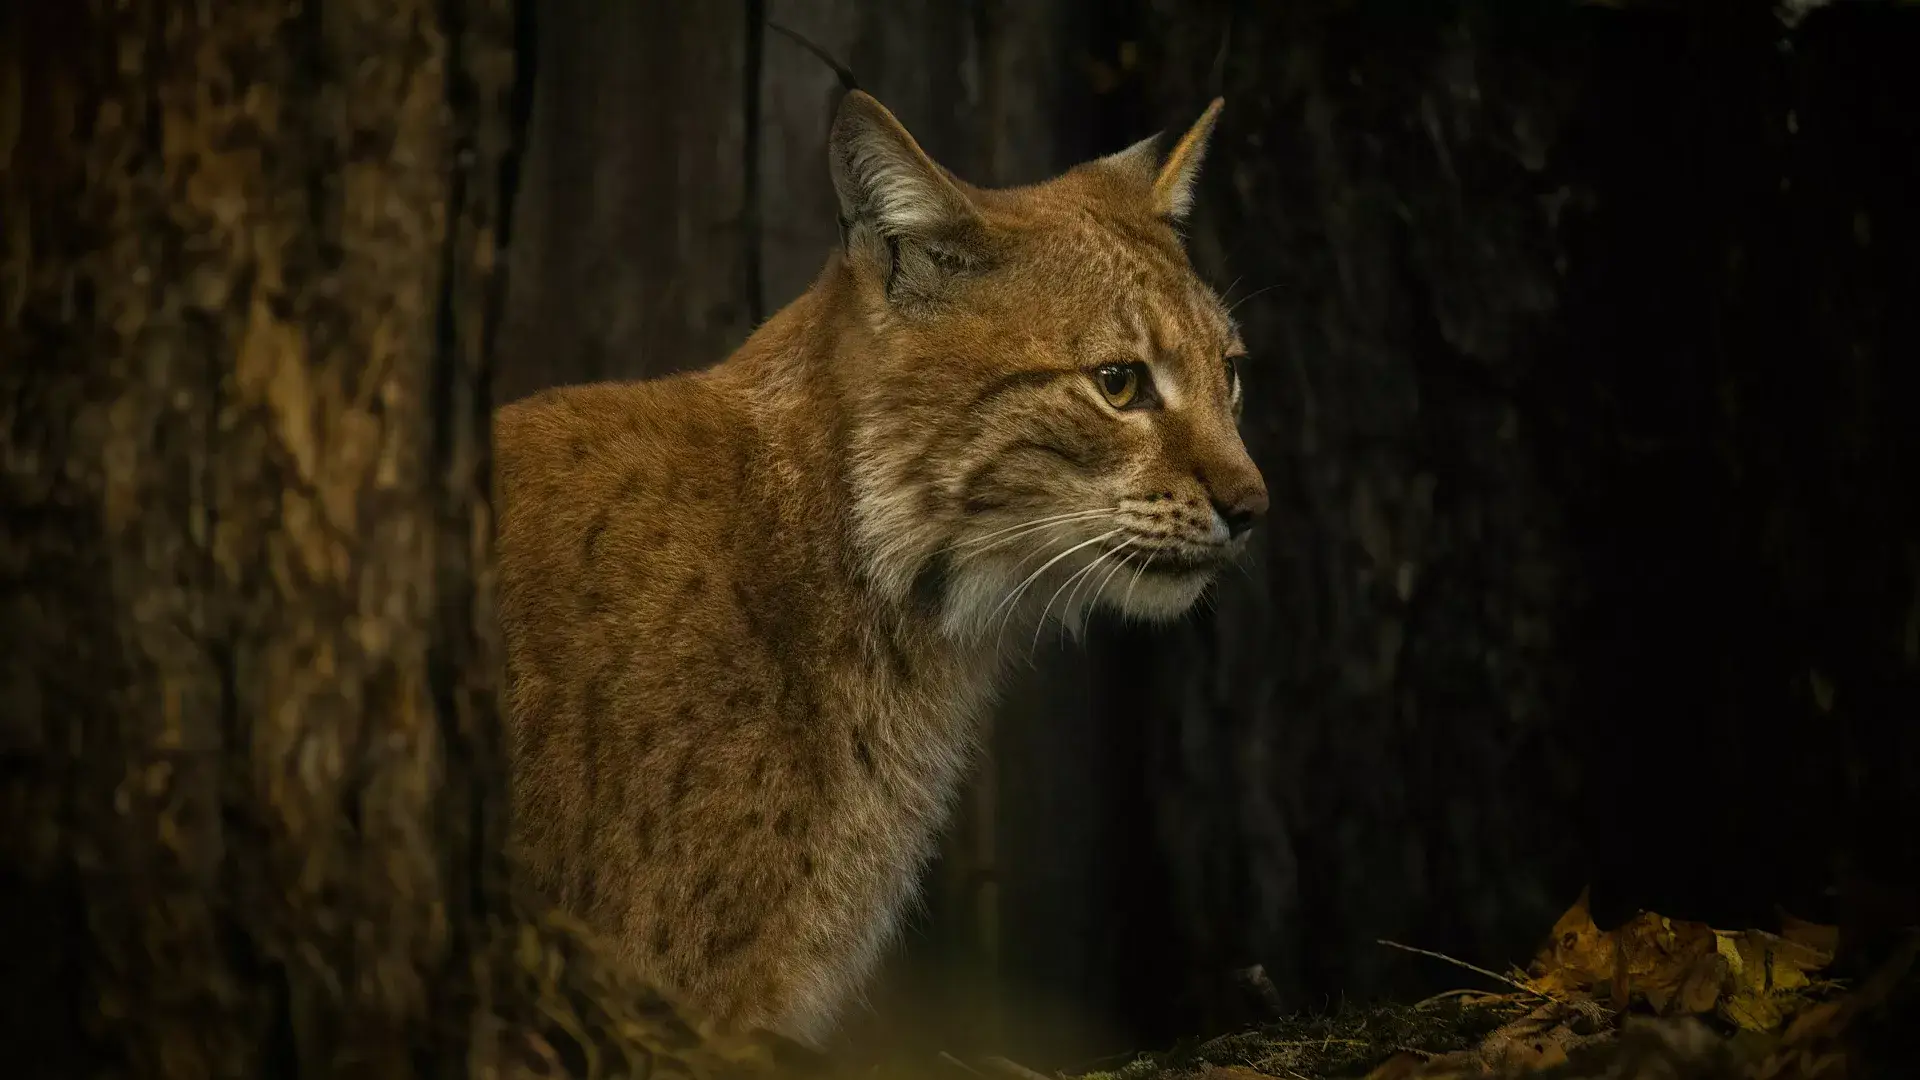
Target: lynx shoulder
754, 613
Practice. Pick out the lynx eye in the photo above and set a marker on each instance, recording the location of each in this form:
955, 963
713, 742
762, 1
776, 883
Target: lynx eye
1233, 373
1121, 384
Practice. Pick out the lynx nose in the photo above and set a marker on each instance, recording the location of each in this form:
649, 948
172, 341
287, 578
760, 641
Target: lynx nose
1239, 496
1233, 485
1242, 513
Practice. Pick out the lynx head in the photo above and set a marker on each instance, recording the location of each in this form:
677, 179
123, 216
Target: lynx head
1047, 406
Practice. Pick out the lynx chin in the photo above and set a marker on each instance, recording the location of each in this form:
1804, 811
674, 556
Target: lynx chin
753, 614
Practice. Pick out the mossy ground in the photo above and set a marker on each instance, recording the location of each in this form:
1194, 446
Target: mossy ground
1350, 1040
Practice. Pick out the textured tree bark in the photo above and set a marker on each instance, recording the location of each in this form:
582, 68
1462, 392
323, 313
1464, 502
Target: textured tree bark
1338, 748
1576, 398
245, 480
632, 237
249, 761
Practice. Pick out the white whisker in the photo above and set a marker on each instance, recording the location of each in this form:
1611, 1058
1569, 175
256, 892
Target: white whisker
1083, 572
1051, 519
1128, 600
1032, 528
1119, 564
1228, 295
1236, 304
1117, 567
1045, 526
1013, 597
1239, 560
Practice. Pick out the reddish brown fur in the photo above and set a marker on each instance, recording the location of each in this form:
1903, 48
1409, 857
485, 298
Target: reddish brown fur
754, 612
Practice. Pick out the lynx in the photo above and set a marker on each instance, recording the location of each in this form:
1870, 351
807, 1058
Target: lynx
754, 613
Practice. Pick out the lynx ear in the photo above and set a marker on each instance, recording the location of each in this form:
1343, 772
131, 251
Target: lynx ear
884, 178
1169, 184
897, 206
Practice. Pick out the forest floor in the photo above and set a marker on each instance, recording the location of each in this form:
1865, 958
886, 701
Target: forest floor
1653, 999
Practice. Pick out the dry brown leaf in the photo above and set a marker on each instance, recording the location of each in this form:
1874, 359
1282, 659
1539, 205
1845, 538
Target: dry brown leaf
1577, 956
1543, 1037
1661, 954
1766, 977
1749, 978
1700, 990
1814, 1045
1621, 981
1540, 1053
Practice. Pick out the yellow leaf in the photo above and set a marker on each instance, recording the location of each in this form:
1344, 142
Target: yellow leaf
1700, 991
1724, 943
1751, 1012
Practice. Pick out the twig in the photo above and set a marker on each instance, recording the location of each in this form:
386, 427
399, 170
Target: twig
1476, 969
958, 1064
1445, 995
1012, 1068
1108, 1063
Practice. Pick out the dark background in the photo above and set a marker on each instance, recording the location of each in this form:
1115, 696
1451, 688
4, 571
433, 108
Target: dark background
1584, 390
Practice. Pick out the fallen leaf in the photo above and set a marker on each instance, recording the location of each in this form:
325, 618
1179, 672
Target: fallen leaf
1661, 954
1750, 978
1764, 977
1576, 956
1539, 1053
1701, 988
1751, 1011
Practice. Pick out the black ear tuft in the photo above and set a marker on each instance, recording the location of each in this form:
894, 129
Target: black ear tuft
898, 199
1168, 185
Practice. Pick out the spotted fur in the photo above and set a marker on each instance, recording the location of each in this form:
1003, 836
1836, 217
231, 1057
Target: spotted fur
753, 613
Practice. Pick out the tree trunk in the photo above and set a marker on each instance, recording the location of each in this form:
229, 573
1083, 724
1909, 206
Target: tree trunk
1360, 740
250, 760
1582, 393
632, 237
